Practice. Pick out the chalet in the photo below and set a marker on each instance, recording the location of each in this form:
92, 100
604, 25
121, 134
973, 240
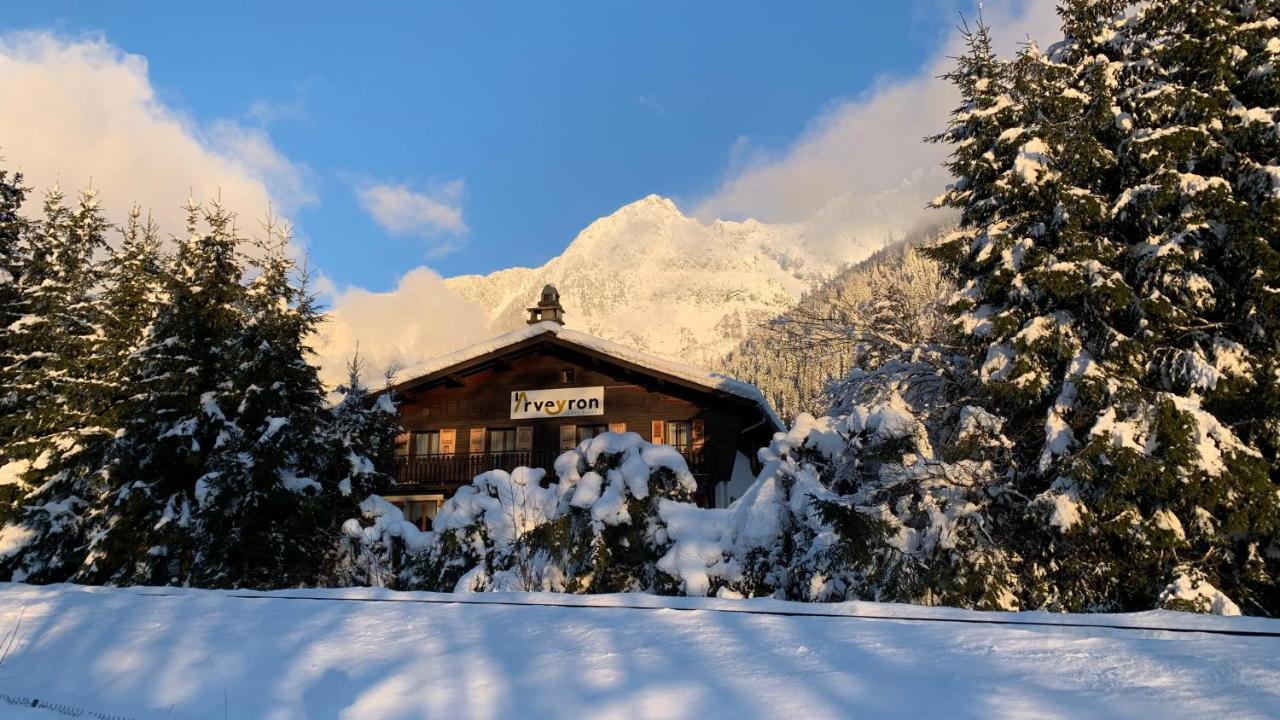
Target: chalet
525, 397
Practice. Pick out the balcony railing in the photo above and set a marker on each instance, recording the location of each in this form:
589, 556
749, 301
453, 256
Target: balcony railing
459, 468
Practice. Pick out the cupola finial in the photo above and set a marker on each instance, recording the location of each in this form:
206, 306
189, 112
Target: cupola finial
548, 307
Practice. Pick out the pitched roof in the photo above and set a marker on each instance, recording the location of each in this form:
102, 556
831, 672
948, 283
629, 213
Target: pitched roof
689, 374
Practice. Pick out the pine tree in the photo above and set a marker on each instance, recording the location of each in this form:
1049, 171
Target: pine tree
56, 367
172, 420
361, 447
13, 232
133, 289
362, 436
1102, 265
260, 520
131, 298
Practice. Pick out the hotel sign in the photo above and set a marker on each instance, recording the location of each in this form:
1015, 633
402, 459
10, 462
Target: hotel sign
562, 402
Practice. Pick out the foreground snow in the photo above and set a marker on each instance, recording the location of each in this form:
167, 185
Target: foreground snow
164, 653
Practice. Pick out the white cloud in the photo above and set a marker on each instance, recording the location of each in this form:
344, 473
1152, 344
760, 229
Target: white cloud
867, 145
653, 104
286, 181
78, 110
420, 319
81, 110
402, 211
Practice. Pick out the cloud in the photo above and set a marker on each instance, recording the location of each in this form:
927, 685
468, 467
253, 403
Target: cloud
266, 112
402, 211
420, 319
653, 104
81, 110
868, 145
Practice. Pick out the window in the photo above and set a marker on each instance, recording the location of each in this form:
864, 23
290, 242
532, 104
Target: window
567, 375
426, 443
502, 440
679, 434
420, 509
402, 444
448, 441
586, 432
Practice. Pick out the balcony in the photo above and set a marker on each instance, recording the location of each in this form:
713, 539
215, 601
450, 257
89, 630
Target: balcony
450, 471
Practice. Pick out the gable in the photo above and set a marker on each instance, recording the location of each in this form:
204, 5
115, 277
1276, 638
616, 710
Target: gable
633, 365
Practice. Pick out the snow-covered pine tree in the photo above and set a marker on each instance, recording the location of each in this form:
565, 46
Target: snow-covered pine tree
56, 366
13, 228
1115, 269
362, 435
131, 296
261, 518
171, 422
133, 289
1197, 209
361, 448
910, 472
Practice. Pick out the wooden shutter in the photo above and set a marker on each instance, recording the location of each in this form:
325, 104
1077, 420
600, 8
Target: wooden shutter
524, 437
697, 434
617, 427
568, 437
475, 443
657, 432
448, 441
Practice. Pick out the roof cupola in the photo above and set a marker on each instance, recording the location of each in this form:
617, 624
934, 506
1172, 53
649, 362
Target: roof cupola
548, 307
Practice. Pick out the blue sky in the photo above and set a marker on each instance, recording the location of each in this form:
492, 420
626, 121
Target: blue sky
530, 120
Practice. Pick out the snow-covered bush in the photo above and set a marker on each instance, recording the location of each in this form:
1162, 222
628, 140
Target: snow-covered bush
891, 499
376, 545
596, 528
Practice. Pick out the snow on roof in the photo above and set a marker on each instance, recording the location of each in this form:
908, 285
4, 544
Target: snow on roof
689, 373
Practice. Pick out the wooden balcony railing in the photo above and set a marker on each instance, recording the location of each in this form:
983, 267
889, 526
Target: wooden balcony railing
460, 468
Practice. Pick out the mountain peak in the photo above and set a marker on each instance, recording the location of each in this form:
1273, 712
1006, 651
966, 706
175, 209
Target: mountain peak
650, 204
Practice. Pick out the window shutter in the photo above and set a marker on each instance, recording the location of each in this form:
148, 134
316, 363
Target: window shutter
524, 437
697, 434
656, 432
617, 427
568, 437
475, 443
448, 442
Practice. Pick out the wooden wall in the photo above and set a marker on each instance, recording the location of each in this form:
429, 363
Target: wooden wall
482, 400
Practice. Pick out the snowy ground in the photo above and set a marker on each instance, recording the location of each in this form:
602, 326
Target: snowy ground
203, 654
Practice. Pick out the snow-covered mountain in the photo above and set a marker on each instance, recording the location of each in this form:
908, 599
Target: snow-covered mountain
655, 279
647, 276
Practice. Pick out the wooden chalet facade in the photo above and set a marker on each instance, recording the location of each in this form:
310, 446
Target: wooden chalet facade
525, 397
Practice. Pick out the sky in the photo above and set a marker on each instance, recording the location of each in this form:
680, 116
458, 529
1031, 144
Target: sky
487, 135
409, 141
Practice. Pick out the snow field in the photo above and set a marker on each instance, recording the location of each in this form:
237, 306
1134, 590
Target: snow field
171, 653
